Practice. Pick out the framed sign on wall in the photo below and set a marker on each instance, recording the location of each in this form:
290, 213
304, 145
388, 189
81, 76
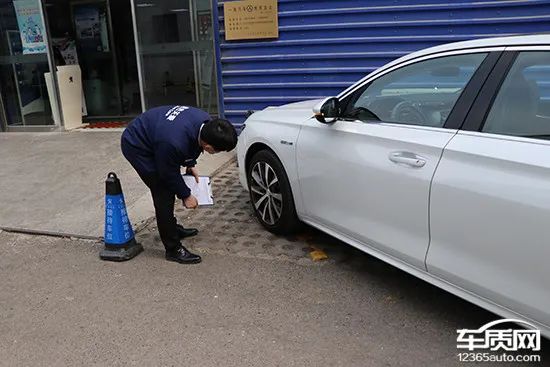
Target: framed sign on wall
251, 19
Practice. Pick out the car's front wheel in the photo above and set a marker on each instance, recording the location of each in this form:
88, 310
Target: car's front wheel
270, 193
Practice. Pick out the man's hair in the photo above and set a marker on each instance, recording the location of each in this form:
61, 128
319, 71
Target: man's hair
220, 134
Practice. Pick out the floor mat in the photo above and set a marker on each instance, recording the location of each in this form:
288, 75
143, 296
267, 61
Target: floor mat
106, 124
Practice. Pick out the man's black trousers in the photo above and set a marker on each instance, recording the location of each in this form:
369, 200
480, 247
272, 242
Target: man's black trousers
163, 198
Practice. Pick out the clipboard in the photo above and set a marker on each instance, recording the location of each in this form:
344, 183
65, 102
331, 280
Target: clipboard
202, 190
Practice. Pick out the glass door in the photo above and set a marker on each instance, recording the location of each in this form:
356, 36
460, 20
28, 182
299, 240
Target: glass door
176, 52
97, 57
23, 62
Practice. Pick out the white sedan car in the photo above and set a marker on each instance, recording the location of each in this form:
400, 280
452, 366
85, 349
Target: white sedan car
437, 163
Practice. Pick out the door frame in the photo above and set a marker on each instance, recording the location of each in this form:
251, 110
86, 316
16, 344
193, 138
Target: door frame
3, 118
138, 58
4, 126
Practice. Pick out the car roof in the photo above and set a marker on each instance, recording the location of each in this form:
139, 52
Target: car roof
540, 39
526, 40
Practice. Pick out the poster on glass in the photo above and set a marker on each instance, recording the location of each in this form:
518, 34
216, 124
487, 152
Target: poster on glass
31, 26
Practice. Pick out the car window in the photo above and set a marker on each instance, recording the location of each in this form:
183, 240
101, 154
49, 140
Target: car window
423, 93
522, 105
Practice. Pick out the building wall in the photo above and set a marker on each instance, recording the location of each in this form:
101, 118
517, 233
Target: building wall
326, 45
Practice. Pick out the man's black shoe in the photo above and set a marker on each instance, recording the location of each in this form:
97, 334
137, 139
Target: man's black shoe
186, 232
183, 256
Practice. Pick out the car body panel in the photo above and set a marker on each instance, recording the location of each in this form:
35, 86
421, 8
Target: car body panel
276, 128
490, 215
350, 183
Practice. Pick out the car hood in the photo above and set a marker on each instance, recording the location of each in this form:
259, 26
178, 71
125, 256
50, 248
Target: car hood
309, 104
292, 113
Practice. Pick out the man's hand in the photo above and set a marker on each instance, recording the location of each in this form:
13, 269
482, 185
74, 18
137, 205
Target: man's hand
190, 202
193, 171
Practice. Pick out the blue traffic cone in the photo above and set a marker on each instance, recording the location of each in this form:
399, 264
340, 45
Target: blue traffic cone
120, 244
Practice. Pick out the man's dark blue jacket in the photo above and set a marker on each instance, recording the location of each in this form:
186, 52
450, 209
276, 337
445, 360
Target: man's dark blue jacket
162, 140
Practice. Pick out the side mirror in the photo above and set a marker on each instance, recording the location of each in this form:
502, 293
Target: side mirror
327, 111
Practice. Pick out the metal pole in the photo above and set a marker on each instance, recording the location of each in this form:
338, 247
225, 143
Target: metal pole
3, 117
51, 63
111, 35
15, 78
196, 54
138, 57
217, 50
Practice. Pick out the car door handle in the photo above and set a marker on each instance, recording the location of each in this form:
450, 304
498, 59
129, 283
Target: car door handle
407, 158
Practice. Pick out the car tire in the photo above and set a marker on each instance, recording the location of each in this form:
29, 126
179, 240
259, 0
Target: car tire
270, 193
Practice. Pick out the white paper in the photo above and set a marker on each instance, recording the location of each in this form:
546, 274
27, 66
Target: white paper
202, 190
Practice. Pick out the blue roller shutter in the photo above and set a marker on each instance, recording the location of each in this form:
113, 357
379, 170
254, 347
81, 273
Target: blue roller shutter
326, 45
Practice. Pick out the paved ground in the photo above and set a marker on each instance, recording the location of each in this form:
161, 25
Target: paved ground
256, 300
55, 181
229, 227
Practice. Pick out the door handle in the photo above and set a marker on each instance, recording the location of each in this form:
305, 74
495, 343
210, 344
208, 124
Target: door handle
408, 159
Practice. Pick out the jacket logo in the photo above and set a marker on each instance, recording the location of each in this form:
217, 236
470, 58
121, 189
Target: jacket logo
174, 112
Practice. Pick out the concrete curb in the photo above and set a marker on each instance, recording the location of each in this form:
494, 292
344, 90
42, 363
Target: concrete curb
48, 233
223, 166
98, 129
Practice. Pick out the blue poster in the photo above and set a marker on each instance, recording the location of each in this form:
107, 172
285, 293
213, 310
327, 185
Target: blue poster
31, 26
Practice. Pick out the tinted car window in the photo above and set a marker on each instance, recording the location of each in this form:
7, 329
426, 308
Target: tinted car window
522, 105
423, 93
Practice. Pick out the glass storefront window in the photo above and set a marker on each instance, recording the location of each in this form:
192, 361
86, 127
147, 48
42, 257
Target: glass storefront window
23, 62
175, 57
177, 53
98, 36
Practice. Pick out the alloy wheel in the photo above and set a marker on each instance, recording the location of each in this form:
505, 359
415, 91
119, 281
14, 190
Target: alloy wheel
266, 193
